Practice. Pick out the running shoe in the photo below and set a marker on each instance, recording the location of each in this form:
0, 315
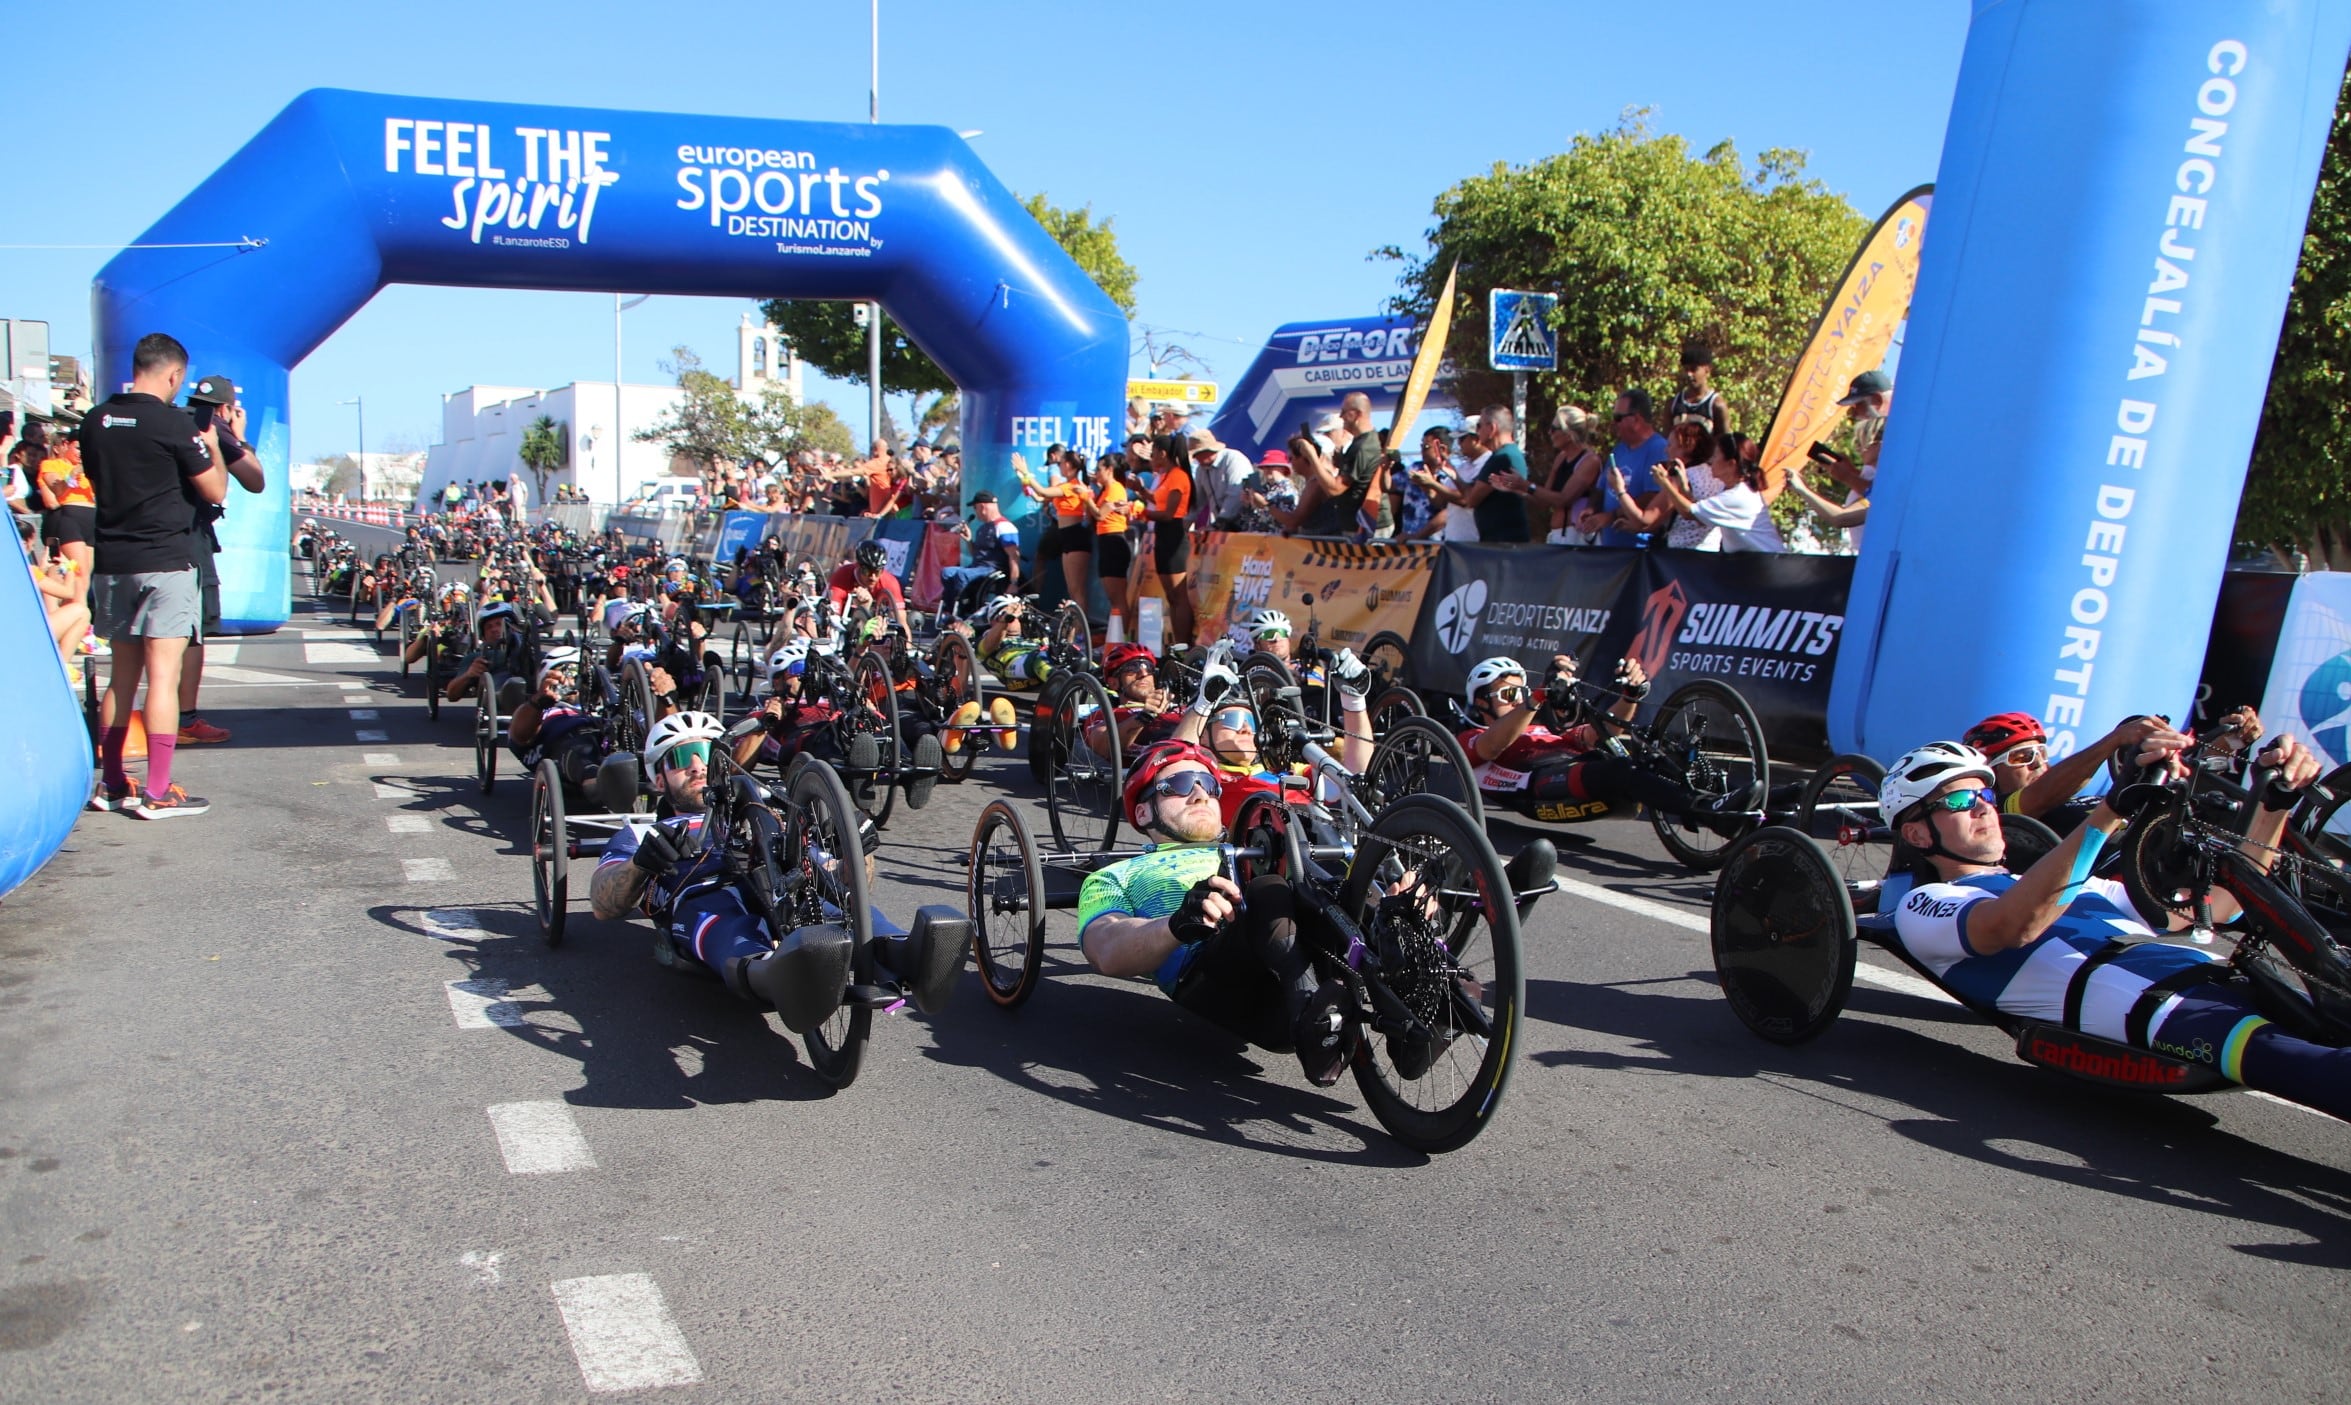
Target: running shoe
1007, 720
952, 739
173, 803
195, 731
106, 799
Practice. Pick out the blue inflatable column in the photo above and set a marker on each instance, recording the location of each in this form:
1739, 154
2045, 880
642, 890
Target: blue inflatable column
44, 751
2118, 217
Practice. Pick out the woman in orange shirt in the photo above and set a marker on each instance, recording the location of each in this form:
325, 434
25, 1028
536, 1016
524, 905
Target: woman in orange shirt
70, 510
1071, 537
1171, 538
1114, 506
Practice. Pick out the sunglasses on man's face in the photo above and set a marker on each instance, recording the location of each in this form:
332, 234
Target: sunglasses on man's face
1959, 802
1238, 719
1136, 666
685, 754
1187, 783
1511, 693
2027, 754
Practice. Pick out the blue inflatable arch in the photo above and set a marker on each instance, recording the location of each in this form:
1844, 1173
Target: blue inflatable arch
352, 191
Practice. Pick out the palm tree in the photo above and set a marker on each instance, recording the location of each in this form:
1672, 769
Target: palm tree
543, 450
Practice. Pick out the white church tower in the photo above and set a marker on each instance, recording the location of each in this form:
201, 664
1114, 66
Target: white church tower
763, 358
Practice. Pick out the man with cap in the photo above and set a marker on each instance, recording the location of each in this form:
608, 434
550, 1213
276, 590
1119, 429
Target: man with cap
1218, 474
995, 546
214, 396
1866, 401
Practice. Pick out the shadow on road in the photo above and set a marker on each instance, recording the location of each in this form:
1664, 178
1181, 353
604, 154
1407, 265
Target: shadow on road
2167, 1151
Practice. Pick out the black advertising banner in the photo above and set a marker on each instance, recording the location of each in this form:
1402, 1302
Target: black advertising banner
1768, 625
1526, 602
2245, 629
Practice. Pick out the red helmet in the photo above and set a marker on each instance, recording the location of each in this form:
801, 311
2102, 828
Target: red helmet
1996, 734
1145, 769
1118, 656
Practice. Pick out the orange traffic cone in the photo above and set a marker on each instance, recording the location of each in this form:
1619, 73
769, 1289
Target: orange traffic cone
135, 748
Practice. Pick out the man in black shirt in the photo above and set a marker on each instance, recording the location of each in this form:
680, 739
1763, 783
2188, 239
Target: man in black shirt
219, 395
152, 470
1349, 484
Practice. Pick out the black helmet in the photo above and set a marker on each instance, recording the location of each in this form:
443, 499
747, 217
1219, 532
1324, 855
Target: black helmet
871, 556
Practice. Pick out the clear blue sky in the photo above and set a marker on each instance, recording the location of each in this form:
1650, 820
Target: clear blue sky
1251, 154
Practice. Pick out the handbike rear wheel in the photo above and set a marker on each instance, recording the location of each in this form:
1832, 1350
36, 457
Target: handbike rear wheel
550, 853
873, 711
1005, 895
1082, 791
823, 842
1783, 934
1429, 893
957, 667
1418, 756
1840, 809
485, 731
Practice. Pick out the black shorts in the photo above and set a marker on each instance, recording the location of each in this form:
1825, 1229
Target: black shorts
1112, 555
71, 524
1171, 548
1075, 537
208, 581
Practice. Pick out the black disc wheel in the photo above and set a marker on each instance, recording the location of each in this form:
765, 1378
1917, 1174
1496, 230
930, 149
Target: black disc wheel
550, 853
432, 681
825, 882
1388, 656
1783, 935
1042, 739
1442, 973
955, 667
873, 712
1082, 793
1005, 895
1419, 757
1391, 705
1070, 639
1840, 809
1713, 743
485, 731
2157, 868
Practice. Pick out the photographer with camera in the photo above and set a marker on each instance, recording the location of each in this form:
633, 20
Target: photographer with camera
213, 403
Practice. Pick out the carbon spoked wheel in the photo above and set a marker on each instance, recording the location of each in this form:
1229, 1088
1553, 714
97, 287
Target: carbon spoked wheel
873, 712
1783, 935
1419, 757
1391, 706
957, 668
1071, 638
1446, 988
550, 853
1840, 809
743, 660
1714, 744
636, 704
1388, 656
1005, 895
407, 638
1081, 795
485, 732
827, 884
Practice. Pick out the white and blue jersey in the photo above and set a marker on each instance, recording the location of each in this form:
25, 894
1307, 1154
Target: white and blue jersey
2037, 980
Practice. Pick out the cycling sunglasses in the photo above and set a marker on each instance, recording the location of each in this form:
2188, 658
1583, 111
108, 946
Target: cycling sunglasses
1187, 783
1959, 802
685, 754
1274, 631
1239, 719
1511, 693
1133, 664
2023, 754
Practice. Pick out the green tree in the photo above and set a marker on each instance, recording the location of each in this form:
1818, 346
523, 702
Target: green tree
826, 334
710, 424
822, 429
777, 426
1647, 248
2298, 490
542, 450
342, 475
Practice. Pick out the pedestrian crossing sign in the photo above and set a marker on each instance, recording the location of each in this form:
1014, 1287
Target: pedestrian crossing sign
1519, 335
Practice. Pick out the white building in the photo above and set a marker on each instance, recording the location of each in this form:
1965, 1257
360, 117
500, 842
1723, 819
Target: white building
482, 425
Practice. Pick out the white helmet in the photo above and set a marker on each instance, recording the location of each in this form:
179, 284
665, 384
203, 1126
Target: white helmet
994, 609
1266, 622
1488, 672
555, 659
1919, 773
676, 728
791, 658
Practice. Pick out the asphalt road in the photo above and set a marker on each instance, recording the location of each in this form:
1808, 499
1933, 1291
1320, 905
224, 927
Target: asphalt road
254, 1145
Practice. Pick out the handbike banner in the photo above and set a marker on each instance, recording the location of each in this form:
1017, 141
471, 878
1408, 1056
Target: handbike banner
1769, 626
1358, 589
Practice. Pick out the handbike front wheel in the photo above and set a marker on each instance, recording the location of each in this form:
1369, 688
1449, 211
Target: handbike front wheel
824, 844
958, 671
1840, 809
1005, 895
1429, 893
550, 853
1082, 791
1715, 742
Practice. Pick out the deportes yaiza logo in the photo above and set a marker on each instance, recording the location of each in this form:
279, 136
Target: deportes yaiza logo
1457, 616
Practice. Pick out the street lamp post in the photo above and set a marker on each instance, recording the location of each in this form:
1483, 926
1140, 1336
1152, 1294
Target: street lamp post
361, 402
619, 439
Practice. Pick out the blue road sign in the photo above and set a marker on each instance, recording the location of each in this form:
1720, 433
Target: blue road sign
1518, 331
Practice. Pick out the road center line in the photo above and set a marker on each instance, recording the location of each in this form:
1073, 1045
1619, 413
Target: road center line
428, 871
393, 792
622, 1333
363, 714
371, 734
380, 758
1863, 971
540, 1139
408, 824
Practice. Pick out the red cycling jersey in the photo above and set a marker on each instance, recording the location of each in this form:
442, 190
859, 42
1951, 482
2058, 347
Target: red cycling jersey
1536, 745
884, 587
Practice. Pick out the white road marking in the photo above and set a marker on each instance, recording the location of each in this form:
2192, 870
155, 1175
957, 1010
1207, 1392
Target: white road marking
482, 1004
336, 633
427, 871
254, 677
386, 791
2283, 1102
380, 758
540, 1139
371, 734
1688, 921
622, 1334
220, 654
451, 924
363, 714
316, 654
408, 824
